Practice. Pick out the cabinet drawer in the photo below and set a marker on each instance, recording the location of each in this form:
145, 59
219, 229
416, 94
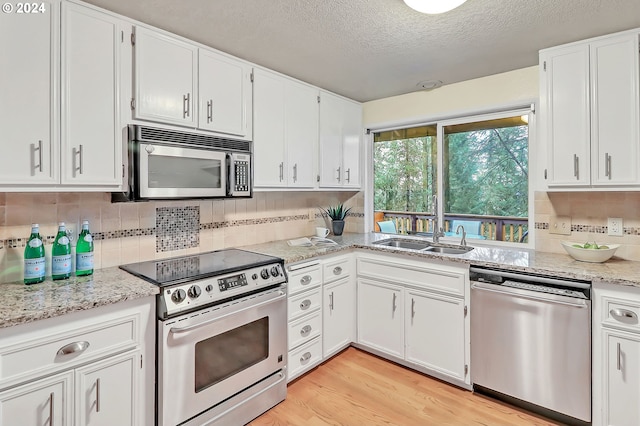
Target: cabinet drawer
304, 329
80, 344
336, 269
621, 313
303, 303
304, 358
304, 277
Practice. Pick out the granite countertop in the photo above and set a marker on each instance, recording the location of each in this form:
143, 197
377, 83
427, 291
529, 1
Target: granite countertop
25, 303
614, 271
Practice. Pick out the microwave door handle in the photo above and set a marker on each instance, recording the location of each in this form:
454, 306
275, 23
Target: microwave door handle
230, 175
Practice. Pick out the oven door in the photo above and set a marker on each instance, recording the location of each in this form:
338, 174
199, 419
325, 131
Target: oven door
209, 355
173, 172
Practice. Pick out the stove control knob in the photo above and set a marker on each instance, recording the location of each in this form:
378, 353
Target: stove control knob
275, 271
178, 296
209, 288
264, 273
254, 277
194, 291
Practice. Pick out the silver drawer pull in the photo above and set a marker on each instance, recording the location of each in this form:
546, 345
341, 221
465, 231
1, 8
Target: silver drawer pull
305, 280
72, 348
305, 304
624, 315
305, 357
304, 332
337, 270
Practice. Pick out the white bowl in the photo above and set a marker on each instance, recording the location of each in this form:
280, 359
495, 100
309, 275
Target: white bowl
590, 255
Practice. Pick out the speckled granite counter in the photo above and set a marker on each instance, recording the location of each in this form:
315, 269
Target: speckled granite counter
614, 271
25, 303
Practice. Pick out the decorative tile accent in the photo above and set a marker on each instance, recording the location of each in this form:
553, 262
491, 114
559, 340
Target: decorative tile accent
177, 228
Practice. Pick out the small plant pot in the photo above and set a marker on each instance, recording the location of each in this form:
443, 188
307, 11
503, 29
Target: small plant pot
338, 227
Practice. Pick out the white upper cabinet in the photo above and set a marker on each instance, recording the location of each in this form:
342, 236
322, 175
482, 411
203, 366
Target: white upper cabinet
91, 136
29, 87
340, 142
285, 128
590, 107
165, 78
225, 99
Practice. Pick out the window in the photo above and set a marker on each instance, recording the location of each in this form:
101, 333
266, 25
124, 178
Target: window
477, 168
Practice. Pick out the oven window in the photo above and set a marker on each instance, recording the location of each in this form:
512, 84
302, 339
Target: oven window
184, 172
226, 354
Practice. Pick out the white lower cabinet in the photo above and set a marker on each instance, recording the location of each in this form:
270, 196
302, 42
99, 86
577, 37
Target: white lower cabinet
616, 355
339, 304
415, 312
94, 367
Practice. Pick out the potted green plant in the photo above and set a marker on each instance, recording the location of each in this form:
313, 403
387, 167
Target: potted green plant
337, 214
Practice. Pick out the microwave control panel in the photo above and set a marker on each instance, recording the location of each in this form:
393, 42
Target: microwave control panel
241, 174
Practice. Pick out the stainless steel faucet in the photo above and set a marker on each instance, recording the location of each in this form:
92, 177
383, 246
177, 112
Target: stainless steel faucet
437, 231
463, 241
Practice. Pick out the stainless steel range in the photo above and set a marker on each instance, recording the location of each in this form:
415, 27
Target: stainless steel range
221, 336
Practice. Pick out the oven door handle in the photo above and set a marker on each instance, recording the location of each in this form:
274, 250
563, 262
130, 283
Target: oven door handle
177, 330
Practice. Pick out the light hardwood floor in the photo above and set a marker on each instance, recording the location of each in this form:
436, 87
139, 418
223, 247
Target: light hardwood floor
357, 388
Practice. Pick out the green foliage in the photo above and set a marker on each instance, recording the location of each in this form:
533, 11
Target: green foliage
337, 212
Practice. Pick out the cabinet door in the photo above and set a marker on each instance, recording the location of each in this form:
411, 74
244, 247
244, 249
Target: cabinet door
331, 172
301, 133
434, 329
165, 76
622, 369
47, 401
268, 129
565, 86
91, 145
106, 391
381, 317
351, 144
338, 319
29, 87
615, 110
224, 88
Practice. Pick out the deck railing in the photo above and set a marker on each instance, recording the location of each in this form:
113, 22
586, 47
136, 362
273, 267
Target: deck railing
496, 228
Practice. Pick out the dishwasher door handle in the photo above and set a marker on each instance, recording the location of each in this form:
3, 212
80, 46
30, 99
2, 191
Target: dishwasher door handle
532, 295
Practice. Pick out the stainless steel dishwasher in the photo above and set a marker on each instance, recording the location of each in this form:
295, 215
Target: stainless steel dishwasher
531, 341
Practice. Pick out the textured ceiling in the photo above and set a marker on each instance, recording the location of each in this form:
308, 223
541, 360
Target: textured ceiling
371, 49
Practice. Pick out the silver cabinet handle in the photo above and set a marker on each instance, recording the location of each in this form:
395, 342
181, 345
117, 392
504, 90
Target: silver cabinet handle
295, 172
97, 395
576, 166
413, 307
607, 165
74, 347
393, 303
186, 103
80, 154
39, 149
210, 111
51, 395
281, 166
337, 270
331, 301
619, 355
305, 304
304, 331
348, 179
339, 168
305, 357
305, 280
624, 315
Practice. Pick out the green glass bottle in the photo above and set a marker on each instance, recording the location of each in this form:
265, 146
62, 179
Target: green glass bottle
84, 251
61, 255
34, 262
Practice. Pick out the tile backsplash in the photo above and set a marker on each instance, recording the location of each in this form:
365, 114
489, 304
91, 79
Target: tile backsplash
133, 232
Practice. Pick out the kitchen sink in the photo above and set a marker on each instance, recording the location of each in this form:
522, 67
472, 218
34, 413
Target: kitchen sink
402, 243
448, 250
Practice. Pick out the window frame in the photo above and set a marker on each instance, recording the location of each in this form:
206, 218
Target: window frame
496, 113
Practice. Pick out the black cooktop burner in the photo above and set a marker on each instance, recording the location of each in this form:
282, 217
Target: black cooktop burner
189, 268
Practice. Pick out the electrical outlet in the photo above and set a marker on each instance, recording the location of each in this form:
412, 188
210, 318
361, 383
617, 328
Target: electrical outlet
560, 225
614, 226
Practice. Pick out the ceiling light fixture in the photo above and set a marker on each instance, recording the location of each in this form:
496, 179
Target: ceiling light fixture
433, 7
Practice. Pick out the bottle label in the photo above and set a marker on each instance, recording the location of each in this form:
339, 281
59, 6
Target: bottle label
84, 261
34, 268
88, 238
35, 243
63, 240
61, 265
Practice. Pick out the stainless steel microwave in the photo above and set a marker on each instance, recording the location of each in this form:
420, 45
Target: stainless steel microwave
168, 164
